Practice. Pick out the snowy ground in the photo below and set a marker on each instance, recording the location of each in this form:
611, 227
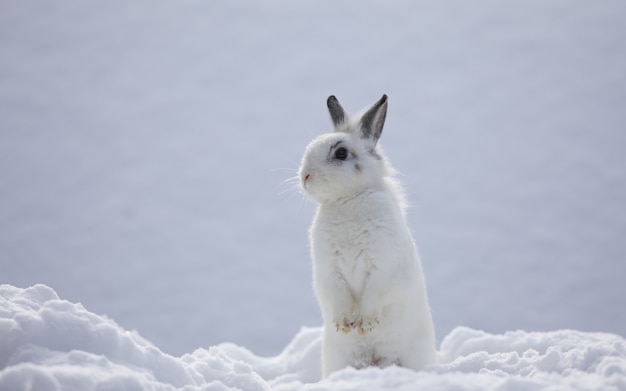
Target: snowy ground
51, 344
143, 145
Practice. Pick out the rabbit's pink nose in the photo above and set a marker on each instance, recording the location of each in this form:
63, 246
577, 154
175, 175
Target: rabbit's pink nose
305, 177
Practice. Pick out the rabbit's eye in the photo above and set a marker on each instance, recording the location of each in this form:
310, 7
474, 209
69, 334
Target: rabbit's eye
341, 153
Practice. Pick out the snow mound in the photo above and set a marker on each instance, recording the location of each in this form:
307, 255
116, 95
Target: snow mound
47, 343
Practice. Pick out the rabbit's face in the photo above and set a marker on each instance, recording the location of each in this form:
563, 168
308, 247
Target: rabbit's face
339, 165
345, 163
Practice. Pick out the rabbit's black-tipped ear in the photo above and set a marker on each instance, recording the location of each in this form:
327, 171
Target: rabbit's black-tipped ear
337, 113
373, 120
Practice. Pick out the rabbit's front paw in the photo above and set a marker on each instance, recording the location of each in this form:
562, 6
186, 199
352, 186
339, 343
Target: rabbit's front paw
366, 324
362, 324
345, 324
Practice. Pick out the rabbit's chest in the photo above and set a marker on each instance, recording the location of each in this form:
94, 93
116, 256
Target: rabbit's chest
351, 248
351, 242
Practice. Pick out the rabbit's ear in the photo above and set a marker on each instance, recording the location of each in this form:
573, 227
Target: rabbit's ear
373, 120
337, 113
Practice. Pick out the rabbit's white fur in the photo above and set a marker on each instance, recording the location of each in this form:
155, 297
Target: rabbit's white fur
367, 275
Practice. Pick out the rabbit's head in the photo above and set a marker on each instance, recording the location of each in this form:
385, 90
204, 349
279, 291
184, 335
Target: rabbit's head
347, 162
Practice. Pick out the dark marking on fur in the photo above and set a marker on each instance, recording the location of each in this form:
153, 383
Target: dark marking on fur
335, 145
376, 361
373, 120
331, 157
337, 113
374, 153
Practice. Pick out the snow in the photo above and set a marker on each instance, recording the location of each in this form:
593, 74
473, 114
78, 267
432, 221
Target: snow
144, 145
48, 343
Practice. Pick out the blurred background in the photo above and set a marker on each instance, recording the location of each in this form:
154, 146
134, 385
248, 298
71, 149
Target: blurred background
144, 148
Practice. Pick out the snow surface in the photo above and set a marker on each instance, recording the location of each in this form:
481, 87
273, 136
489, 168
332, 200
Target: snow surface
48, 344
143, 146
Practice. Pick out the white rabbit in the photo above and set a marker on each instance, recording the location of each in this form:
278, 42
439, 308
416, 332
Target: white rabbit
367, 275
